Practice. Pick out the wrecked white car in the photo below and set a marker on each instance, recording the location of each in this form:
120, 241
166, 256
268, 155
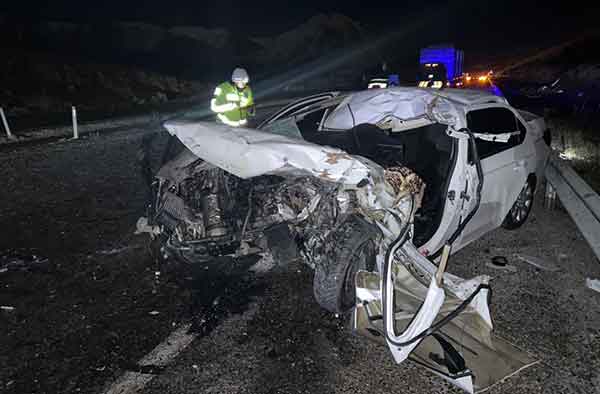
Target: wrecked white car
377, 188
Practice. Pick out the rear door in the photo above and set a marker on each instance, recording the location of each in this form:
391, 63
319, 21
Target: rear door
498, 136
298, 106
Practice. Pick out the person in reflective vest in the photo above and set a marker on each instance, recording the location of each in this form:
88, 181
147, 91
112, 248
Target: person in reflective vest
232, 101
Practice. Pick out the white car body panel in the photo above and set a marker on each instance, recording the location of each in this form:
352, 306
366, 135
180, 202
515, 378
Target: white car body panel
505, 173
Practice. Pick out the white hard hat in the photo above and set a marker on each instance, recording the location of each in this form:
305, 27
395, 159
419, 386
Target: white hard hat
240, 75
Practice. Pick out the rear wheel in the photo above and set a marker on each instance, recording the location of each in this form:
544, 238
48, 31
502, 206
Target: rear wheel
349, 249
520, 210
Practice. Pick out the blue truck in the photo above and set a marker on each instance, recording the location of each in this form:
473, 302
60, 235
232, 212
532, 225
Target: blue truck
440, 64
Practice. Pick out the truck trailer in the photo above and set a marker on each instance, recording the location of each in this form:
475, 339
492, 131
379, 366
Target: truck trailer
448, 55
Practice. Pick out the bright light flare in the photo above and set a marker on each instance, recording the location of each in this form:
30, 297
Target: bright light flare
569, 154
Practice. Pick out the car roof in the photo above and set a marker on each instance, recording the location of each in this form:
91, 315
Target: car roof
469, 97
460, 97
457, 98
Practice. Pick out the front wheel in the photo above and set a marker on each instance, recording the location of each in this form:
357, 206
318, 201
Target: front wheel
520, 210
351, 248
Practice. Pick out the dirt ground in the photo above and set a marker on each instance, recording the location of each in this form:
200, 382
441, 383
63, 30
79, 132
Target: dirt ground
89, 304
82, 306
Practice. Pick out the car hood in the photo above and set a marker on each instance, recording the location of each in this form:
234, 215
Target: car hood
248, 153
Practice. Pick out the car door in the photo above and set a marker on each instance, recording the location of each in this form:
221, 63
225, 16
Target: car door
497, 137
298, 106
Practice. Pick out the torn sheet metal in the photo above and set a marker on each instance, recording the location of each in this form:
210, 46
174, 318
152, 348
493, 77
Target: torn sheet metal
420, 321
459, 287
464, 351
379, 105
248, 153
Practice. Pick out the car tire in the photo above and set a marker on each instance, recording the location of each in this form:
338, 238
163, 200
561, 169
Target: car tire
351, 247
520, 210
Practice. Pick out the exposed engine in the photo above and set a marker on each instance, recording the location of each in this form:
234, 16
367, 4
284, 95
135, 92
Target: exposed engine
212, 212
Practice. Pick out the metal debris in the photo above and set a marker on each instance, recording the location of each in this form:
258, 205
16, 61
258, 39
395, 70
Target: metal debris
543, 264
501, 263
266, 263
153, 313
592, 284
112, 251
142, 227
7, 308
18, 260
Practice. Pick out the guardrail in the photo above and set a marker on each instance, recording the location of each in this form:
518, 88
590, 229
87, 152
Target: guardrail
579, 199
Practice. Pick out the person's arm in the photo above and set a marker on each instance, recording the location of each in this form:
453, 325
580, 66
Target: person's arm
248, 101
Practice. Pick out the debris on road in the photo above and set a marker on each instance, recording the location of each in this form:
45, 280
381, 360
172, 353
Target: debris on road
17, 260
266, 263
501, 263
154, 313
142, 227
7, 308
592, 284
113, 251
542, 264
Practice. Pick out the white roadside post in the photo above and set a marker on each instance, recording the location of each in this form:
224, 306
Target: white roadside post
5, 122
550, 197
74, 116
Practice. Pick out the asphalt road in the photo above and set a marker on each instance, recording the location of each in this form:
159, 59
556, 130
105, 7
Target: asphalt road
89, 304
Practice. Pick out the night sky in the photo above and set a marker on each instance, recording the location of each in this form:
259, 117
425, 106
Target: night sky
504, 20
490, 32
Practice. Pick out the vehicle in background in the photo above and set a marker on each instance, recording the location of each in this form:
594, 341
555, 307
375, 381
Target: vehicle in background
382, 83
446, 55
483, 81
432, 75
377, 83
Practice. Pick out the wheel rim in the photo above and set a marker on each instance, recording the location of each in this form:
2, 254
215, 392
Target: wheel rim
522, 206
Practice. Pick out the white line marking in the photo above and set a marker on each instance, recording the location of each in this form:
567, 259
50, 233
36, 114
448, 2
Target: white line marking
161, 355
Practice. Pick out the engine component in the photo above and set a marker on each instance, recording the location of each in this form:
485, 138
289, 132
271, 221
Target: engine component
213, 216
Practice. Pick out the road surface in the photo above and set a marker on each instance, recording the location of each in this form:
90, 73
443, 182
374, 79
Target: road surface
89, 304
